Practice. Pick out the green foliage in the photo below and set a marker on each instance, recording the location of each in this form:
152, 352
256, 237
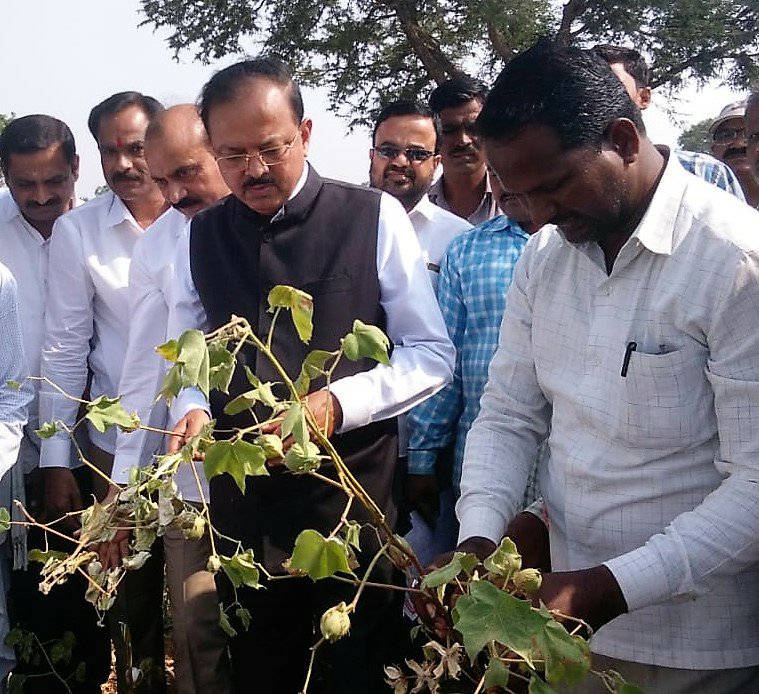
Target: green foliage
105, 412
5, 519
48, 430
301, 308
238, 458
367, 54
318, 557
366, 341
191, 364
241, 569
460, 564
697, 137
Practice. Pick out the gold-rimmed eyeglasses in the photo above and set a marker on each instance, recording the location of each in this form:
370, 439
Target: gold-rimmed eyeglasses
271, 156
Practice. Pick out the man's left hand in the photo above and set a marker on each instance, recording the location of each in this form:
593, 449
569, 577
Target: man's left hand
592, 595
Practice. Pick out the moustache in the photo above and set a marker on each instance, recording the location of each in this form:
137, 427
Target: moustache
34, 205
260, 181
465, 149
734, 152
404, 171
126, 177
186, 202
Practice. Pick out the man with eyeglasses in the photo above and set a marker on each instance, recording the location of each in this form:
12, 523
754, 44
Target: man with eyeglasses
86, 333
464, 187
752, 132
729, 145
354, 251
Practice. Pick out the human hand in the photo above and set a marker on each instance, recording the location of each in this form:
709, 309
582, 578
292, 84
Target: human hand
113, 552
61, 497
187, 427
423, 496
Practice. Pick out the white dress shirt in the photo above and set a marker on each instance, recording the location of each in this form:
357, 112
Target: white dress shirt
13, 401
423, 356
435, 228
151, 277
87, 315
655, 474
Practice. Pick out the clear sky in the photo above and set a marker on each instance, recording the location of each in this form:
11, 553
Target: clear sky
61, 57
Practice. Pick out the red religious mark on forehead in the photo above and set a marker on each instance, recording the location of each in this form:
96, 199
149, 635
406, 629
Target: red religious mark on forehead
119, 142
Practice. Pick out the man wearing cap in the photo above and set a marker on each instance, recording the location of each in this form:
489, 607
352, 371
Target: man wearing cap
729, 145
752, 132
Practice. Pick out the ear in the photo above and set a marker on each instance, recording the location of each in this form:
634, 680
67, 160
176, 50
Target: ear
436, 161
305, 134
75, 167
624, 139
644, 98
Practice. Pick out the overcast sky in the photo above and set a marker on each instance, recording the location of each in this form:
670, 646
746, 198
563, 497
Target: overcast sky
63, 57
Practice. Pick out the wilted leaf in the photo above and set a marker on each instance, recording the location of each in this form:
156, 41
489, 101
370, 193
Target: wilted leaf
226, 626
241, 569
352, 533
366, 341
272, 445
238, 458
169, 350
221, 367
460, 563
105, 412
44, 556
172, 382
294, 423
192, 355
5, 519
301, 307
48, 430
300, 460
312, 367
244, 616
488, 614
319, 557
567, 657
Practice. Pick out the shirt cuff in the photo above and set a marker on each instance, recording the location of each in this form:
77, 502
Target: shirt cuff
480, 522
189, 399
641, 576
421, 462
359, 413
56, 452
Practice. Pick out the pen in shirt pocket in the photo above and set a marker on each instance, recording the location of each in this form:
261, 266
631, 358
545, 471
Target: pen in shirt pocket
631, 347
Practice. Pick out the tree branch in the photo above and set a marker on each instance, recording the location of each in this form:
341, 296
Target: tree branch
572, 10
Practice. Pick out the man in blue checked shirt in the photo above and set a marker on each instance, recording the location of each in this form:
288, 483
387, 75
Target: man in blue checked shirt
474, 277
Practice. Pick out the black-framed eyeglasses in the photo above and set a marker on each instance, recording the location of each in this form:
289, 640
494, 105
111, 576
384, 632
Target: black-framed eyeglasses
413, 154
724, 135
271, 156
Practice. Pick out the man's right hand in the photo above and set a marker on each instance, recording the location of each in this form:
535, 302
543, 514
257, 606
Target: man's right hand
61, 496
423, 496
187, 427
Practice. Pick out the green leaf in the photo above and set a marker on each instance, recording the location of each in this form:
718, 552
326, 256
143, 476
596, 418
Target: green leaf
272, 445
244, 616
172, 382
497, 674
366, 341
538, 686
48, 430
5, 519
44, 556
169, 350
241, 569
312, 367
319, 557
105, 412
567, 657
14, 385
261, 393
294, 423
226, 625
489, 614
193, 356
300, 460
460, 563
221, 367
505, 560
352, 533
301, 307
238, 458
16, 683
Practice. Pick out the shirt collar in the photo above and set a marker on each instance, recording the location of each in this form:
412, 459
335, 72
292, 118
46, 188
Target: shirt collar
118, 212
425, 207
656, 230
8, 207
298, 187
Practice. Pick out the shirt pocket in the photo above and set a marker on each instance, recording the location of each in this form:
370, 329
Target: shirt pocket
665, 400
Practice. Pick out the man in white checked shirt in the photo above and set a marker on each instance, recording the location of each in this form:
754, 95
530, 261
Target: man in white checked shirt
181, 163
629, 342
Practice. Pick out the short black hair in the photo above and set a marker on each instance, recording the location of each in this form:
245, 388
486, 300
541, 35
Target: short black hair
223, 87
407, 107
457, 90
117, 103
569, 90
633, 62
34, 133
